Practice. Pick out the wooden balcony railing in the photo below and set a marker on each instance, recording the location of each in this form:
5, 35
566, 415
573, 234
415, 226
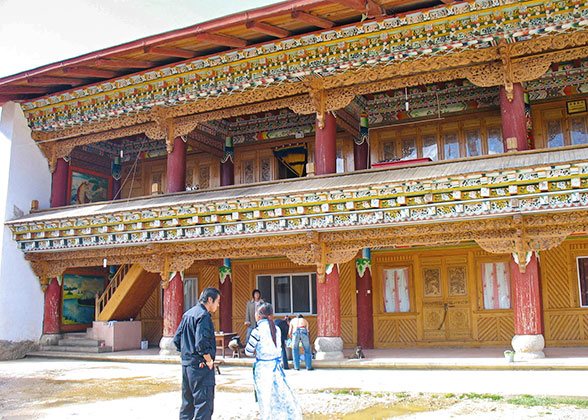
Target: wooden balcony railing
102, 301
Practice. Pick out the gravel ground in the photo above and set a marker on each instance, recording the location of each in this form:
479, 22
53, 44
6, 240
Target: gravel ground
47, 389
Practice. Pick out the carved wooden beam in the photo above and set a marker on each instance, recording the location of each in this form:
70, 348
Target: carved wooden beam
197, 139
120, 63
224, 40
348, 123
170, 52
23, 90
368, 7
53, 81
89, 72
266, 28
312, 19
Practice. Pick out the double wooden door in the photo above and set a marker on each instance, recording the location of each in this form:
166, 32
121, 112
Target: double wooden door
446, 299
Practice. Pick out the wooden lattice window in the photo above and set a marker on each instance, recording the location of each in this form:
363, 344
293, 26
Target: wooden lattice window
396, 290
583, 280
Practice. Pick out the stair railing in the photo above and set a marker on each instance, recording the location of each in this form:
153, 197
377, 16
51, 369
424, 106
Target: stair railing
102, 301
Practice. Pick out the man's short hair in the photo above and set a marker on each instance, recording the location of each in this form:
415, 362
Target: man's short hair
209, 292
254, 292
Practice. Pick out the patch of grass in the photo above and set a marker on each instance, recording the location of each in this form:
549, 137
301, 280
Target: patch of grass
451, 395
474, 396
402, 395
531, 401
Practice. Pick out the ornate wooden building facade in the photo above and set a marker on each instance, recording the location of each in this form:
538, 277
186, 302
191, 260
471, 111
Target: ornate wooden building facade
404, 173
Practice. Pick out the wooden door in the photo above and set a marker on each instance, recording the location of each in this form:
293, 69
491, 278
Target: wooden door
446, 306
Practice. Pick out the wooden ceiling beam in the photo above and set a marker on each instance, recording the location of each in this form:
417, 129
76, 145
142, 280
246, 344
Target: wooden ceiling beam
23, 90
311, 19
192, 140
170, 52
369, 7
266, 28
51, 81
120, 63
227, 41
86, 72
344, 120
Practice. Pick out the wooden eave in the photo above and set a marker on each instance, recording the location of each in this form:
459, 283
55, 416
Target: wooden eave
129, 58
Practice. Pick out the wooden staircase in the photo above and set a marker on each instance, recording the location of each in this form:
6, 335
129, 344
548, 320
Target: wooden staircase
126, 294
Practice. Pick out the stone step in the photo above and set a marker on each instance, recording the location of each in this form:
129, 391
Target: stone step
83, 342
77, 349
74, 336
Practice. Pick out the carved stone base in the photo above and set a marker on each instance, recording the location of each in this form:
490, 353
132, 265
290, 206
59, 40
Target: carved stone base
167, 347
528, 347
328, 348
50, 339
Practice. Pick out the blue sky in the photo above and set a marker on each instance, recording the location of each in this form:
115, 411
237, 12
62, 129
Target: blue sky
38, 32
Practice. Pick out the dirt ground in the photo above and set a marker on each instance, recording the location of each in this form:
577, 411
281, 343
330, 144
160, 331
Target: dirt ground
49, 389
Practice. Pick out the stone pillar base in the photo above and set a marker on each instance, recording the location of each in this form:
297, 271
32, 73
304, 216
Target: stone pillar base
50, 339
528, 347
167, 347
328, 348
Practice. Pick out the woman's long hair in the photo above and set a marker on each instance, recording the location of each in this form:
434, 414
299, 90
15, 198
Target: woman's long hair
266, 311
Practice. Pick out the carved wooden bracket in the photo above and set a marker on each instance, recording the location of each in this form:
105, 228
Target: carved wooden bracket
523, 241
165, 264
47, 270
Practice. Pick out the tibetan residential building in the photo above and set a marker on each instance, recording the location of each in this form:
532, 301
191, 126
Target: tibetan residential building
403, 173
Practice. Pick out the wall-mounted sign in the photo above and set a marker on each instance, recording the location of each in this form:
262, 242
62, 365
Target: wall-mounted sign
575, 107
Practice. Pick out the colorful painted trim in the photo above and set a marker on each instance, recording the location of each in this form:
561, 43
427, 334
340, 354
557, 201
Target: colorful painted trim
477, 195
448, 29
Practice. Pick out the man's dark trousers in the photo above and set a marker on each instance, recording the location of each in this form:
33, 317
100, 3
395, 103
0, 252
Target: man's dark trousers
197, 396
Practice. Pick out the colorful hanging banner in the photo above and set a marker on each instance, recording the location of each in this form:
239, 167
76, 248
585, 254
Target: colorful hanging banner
293, 156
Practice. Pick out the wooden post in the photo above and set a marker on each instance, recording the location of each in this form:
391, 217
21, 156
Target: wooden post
226, 289
176, 167
365, 310
325, 155
514, 121
361, 145
328, 344
227, 175
59, 181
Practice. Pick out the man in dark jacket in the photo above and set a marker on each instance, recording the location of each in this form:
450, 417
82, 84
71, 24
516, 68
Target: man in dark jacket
284, 325
195, 340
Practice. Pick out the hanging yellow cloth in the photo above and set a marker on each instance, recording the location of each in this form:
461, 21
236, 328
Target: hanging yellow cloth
293, 156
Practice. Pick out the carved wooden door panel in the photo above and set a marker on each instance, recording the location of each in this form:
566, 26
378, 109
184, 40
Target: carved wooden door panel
446, 309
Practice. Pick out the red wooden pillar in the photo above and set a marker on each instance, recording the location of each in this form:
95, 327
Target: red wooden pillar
325, 154
328, 344
226, 289
176, 167
173, 295
173, 305
59, 182
528, 341
514, 120
361, 145
365, 310
52, 303
52, 310
227, 175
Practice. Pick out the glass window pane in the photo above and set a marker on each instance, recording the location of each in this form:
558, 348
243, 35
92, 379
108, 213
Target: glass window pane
264, 284
495, 144
396, 297
496, 285
313, 289
409, 150
583, 274
555, 136
282, 294
301, 294
451, 146
473, 143
340, 161
430, 146
578, 130
190, 292
389, 150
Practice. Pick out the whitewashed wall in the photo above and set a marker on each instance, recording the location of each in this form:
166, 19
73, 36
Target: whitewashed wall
24, 176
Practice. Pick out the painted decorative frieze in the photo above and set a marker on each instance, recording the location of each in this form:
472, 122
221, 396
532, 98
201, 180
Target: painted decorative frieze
470, 196
440, 31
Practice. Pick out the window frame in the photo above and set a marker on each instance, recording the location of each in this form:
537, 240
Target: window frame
311, 292
480, 271
578, 279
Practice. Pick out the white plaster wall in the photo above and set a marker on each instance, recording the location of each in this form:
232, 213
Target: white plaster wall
24, 176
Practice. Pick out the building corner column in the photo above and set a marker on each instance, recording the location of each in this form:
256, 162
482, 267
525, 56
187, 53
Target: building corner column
328, 343
528, 342
173, 309
226, 288
365, 310
176, 167
325, 153
52, 314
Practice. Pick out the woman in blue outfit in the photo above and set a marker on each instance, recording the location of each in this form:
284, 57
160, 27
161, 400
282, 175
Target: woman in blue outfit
299, 333
275, 398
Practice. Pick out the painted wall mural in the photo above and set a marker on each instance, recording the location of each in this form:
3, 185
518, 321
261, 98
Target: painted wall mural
88, 187
79, 292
